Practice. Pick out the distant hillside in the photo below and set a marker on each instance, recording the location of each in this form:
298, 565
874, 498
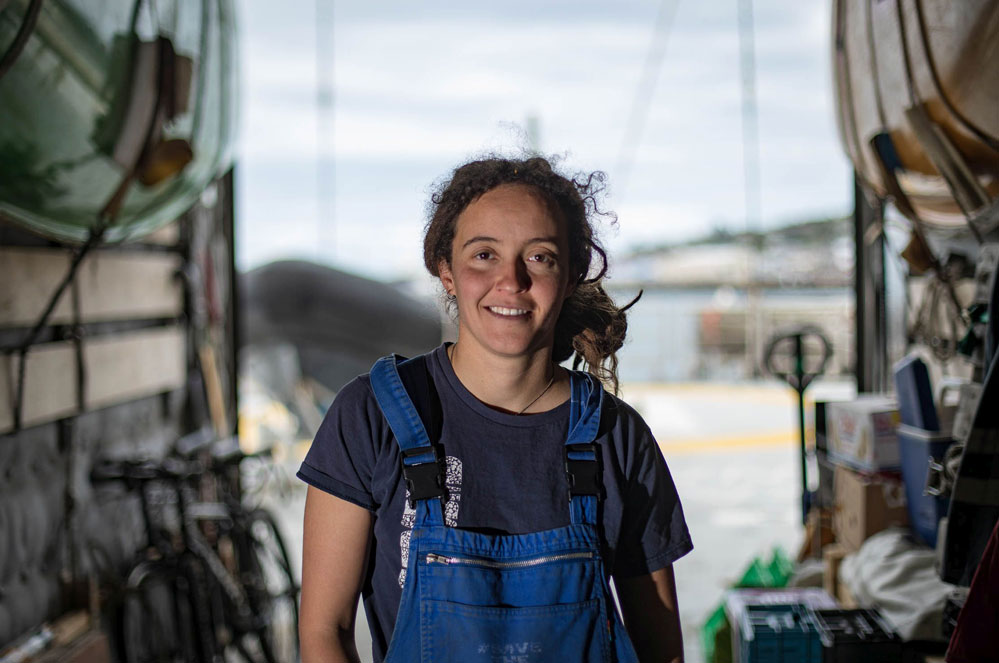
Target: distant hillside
808, 254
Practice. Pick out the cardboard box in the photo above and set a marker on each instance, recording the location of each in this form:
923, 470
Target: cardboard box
862, 433
865, 505
832, 558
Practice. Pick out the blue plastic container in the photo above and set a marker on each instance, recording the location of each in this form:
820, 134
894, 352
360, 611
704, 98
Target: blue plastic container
915, 395
779, 634
917, 447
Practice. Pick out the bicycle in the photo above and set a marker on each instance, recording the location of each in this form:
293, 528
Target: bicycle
160, 611
220, 589
250, 544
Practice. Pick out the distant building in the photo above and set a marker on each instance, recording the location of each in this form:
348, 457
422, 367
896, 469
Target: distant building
711, 306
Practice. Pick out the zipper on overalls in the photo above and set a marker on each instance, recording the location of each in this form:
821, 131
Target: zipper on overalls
434, 558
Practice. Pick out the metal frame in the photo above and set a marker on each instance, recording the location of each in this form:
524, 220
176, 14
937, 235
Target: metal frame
869, 289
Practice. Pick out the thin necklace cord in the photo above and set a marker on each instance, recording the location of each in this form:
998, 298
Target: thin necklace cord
551, 381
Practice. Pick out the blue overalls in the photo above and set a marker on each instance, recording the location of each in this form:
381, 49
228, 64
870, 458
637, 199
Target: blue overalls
522, 598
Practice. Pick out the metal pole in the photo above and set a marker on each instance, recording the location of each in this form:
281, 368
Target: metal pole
799, 373
869, 292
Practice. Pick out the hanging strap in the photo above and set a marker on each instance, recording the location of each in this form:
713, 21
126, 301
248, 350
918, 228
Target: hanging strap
583, 469
421, 460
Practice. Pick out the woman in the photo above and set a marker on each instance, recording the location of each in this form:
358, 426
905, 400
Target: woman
528, 457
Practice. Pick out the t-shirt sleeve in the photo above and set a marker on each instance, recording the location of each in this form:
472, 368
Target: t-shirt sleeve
343, 454
653, 530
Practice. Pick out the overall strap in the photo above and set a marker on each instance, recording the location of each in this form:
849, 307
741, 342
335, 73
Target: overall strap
582, 456
422, 464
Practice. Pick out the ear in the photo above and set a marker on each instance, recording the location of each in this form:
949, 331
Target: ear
446, 276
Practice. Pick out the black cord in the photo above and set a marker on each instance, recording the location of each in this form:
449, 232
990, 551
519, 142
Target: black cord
77, 335
27, 27
96, 234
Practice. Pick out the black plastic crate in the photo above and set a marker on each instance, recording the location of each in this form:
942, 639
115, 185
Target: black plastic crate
857, 636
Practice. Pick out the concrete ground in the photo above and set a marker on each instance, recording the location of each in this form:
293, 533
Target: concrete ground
733, 452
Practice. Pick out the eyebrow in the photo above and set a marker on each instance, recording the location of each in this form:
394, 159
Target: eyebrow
484, 238
479, 238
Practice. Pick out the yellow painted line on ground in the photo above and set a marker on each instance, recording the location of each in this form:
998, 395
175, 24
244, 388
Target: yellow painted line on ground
717, 444
754, 393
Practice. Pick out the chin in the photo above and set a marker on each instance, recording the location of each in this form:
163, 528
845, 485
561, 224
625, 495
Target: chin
521, 347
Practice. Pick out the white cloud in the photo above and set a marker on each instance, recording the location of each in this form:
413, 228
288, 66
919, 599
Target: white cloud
427, 92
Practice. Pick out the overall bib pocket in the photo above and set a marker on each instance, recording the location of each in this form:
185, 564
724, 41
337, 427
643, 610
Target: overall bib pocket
457, 633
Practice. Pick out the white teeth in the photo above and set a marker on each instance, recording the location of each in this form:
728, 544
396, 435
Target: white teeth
506, 311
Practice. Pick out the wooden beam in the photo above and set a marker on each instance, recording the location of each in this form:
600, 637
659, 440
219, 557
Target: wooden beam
118, 368
113, 285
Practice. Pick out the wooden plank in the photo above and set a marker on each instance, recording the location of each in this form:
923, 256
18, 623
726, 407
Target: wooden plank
114, 285
140, 364
49, 386
119, 368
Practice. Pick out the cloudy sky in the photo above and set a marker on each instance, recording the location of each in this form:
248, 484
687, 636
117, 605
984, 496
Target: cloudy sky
420, 87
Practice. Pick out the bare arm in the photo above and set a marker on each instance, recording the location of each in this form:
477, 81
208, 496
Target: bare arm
651, 616
334, 551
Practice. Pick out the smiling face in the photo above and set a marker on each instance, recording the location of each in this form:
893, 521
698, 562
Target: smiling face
509, 272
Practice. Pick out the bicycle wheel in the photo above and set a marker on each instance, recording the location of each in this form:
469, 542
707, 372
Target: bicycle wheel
266, 572
157, 620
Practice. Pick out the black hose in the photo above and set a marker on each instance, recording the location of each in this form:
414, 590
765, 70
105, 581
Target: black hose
27, 27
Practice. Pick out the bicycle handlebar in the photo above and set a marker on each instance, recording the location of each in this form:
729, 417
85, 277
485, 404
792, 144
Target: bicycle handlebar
142, 470
182, 465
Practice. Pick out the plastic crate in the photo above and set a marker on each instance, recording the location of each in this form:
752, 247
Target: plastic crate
775, 625
779, 634
856, 636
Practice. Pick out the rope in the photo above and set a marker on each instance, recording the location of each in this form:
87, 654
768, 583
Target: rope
76, 333
938, 330
640, 103
21, 39
96, 234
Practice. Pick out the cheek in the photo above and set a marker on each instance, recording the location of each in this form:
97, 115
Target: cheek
468, 281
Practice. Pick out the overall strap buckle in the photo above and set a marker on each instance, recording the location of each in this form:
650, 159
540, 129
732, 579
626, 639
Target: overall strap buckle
583, 470
423, 471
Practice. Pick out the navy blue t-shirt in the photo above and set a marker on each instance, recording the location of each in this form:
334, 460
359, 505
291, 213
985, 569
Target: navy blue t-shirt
505, 474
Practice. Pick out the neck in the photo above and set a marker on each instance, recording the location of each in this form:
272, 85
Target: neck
509, 384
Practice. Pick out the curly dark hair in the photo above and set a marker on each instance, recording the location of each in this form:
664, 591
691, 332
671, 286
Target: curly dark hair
590, 324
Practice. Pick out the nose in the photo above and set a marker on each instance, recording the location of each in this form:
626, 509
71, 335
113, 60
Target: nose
513, 277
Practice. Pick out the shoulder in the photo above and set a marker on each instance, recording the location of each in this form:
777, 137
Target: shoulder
621, 419
357, 399
631, 447
355, 395
354, 409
